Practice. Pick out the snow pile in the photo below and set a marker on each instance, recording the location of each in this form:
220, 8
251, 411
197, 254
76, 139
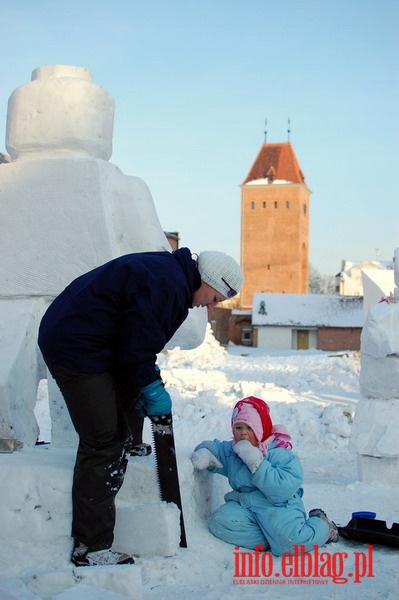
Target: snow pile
308, 310
313, 394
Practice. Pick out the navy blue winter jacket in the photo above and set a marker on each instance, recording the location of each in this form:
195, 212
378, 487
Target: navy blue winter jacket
120, 315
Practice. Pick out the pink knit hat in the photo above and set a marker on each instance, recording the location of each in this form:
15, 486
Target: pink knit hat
254, 412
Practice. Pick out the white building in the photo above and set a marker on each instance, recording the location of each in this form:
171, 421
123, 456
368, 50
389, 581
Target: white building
304, 321
349, 280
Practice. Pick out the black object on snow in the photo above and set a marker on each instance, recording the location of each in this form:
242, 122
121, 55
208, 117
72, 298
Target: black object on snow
371, 531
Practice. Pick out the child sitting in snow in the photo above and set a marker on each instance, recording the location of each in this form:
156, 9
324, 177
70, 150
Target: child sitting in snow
265, 506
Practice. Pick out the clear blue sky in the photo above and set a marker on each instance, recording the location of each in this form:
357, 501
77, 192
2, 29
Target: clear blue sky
193, 82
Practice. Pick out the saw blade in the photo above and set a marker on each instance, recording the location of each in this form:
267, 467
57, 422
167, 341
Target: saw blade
165, 458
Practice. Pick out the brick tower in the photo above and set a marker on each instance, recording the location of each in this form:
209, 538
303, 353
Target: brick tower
274, 225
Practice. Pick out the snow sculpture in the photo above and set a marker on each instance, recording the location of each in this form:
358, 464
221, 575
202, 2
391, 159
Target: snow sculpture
375, 428
65, 210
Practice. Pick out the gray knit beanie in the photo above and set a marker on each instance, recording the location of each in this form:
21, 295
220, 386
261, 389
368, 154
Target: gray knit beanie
221, 272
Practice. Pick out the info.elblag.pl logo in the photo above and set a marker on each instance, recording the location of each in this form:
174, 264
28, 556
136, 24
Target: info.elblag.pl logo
298, 567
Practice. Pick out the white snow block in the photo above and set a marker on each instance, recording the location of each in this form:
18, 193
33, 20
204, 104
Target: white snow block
379, 337
145, 525
63, 433
36, 507
140, 484
18, 370
151, 529
209, 492
379, 377
375, 428
376, 469
45, 116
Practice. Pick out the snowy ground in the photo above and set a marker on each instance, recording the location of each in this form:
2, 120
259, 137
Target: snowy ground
314, 394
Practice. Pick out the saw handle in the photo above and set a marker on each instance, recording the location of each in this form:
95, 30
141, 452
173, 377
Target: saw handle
162, 423
161, 419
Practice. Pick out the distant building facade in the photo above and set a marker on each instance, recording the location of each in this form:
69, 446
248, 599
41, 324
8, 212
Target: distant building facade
349, 279
274, 225
293, 322
305, 321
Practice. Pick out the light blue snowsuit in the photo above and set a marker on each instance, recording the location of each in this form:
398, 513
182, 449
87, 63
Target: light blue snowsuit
264, 507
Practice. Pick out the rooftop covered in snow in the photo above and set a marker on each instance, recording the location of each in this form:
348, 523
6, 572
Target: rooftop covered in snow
307, 310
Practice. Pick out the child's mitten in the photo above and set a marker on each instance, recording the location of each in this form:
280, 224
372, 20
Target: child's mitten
249, 454
203, 458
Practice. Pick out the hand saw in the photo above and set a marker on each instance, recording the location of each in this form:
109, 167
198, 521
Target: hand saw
165, 458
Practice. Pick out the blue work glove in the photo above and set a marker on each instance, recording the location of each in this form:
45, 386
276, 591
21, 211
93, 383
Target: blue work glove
156, 399
249, 454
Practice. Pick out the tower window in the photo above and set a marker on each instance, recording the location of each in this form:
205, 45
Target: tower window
264, 204
252, 205
276, 204
287, 204
305, 209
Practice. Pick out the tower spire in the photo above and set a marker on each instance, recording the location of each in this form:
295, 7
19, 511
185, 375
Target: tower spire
265, 132
289, 129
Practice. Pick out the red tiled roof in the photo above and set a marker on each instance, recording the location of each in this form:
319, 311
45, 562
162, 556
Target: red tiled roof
276, 161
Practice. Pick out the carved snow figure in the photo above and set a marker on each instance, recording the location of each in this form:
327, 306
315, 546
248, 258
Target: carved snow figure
64, 210
375, 428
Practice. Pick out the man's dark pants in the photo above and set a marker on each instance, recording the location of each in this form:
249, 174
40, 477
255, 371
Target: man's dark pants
100, 405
